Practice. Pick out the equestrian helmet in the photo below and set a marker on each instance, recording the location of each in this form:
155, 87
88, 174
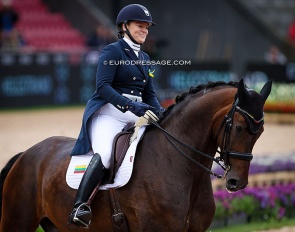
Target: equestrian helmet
134, 12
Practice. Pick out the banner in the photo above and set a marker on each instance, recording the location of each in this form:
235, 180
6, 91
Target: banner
45, 79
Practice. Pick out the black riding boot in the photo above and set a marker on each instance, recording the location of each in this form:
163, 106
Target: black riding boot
81, 214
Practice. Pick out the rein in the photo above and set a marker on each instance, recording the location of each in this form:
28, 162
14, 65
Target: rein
170, 138
227, 123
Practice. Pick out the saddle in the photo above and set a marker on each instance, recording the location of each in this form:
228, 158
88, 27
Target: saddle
121, 144
123, 140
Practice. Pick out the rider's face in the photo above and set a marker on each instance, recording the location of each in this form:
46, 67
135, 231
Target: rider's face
138, 30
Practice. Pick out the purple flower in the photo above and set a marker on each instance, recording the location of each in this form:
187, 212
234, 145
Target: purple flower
281, 213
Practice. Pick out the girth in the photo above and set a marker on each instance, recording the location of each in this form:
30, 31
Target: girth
119, 220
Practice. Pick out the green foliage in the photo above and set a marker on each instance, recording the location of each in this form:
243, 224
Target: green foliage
254, 226
246, 204
264, 204
39, 229
220, 210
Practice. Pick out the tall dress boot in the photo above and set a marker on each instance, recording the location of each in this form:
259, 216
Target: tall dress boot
81, 214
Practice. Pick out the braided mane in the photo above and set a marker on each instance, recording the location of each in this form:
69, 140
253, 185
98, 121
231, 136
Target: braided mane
209, 85
194, 90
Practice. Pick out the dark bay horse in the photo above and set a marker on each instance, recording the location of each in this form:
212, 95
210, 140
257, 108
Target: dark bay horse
170, 188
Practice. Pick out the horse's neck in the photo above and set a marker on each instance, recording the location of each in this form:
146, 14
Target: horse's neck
197, 119
191, 122
161, 166
188, 126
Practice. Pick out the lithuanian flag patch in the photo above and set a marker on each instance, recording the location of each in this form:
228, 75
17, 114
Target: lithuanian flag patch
80, 169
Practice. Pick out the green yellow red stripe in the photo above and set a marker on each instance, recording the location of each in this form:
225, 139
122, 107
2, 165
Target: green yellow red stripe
80, 169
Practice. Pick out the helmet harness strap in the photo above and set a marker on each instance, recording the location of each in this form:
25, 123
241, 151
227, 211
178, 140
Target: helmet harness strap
129, 34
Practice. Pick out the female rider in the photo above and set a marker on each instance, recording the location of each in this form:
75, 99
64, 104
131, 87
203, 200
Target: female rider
124, 92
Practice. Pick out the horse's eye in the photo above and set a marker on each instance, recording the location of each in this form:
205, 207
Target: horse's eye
239, 129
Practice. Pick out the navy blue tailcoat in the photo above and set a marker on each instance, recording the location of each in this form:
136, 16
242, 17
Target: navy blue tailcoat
117, 73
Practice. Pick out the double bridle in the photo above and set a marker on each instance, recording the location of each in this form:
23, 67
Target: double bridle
224, 153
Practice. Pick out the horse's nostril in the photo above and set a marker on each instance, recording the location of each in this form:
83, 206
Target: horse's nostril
232, 183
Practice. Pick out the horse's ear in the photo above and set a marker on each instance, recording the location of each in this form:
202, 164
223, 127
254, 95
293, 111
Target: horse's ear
265, 91
242, 91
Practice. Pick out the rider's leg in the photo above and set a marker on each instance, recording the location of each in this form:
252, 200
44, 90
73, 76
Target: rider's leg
102, 129
81, 214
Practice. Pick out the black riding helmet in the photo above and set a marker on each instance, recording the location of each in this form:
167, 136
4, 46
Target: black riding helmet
132, 12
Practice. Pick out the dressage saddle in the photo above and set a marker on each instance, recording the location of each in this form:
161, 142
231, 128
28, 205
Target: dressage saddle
121, 144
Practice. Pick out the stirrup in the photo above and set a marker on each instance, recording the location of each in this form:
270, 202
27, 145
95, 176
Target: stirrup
77, 220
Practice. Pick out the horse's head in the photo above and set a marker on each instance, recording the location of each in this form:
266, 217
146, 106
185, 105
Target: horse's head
239, 131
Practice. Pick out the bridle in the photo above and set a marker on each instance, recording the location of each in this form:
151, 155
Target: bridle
225, 154
227, 123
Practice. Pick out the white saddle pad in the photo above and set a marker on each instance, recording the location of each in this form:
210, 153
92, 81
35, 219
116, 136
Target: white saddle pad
79, 163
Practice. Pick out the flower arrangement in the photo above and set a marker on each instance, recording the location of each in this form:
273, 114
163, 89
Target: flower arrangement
257, 203
263, 202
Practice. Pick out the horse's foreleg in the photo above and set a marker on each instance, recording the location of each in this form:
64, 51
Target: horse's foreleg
19, 203
18, 215
203, 208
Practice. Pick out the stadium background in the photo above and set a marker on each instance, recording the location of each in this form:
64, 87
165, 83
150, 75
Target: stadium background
224, 40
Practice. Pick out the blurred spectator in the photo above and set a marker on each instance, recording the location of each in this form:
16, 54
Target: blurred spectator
9, 36
150, 47
153, 47
291, 32
14, 41
8, 17
101, 37
275, 56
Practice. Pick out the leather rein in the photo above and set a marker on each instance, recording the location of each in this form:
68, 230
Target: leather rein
224, 153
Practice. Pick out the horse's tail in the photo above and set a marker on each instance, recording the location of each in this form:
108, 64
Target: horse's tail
4, 174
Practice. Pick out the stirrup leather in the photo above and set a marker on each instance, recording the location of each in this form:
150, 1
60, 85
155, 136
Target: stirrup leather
78, 220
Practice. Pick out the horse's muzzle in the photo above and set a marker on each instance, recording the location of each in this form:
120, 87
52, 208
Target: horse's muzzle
234, 185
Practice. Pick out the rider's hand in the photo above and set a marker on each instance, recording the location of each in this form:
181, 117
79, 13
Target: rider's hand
137, 108
159, 112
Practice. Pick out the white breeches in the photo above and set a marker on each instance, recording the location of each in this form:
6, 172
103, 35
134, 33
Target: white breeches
107, 122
